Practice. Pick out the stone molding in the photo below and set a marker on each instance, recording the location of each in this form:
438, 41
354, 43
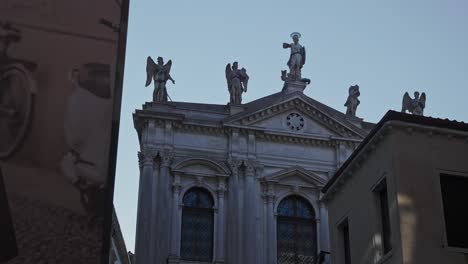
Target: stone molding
297, 103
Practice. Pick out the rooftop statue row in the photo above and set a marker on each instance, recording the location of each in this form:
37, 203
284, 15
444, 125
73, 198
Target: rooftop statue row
159, 73
237, 80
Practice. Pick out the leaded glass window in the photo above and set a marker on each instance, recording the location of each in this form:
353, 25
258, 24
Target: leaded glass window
197, 226
296, 232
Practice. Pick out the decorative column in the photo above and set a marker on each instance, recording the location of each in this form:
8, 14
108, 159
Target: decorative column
325, 240
233, 233
143, 243
271, 228
175, 220
220, 240
249, 223
318, 234
164, 205
154, 211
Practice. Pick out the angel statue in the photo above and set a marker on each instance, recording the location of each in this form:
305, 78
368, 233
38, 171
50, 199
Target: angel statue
297, 58
237, 82
415, 106
353, 101
160, 73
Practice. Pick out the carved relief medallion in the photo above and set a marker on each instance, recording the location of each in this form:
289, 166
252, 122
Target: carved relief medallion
17, 89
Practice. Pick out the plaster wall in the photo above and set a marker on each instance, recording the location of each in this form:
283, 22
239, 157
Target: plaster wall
356, 201
420, 158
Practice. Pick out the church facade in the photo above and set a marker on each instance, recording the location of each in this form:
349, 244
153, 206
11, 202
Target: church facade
239, 183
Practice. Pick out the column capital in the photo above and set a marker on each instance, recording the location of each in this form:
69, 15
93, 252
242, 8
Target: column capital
221, 191
253, 168
176, 187
234, 164
166, 158
146, 157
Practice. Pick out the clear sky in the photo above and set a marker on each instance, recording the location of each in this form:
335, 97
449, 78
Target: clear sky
386, 47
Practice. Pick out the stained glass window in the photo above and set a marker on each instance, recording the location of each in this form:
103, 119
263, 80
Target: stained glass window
296, 232
197, 226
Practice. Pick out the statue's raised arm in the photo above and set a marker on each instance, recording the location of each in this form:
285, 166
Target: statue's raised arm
297, 58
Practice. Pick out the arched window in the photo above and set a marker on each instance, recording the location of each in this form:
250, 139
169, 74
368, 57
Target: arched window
197, 226
296, 232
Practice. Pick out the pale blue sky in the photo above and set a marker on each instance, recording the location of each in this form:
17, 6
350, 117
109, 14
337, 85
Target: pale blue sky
386, 47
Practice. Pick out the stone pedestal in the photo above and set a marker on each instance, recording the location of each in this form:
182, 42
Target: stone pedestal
355, 120
234, 109
294, 86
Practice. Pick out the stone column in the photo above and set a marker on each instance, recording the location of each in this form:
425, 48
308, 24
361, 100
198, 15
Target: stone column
271, 227
164, 205
142, 245
318, 234
249, 224
233, 232
240, 218
325, 239
174, 257
221, 226
154, 212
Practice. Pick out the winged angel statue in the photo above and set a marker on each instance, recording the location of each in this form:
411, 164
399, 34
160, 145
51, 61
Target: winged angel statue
237, 82
159, 73
352, 102
415, 106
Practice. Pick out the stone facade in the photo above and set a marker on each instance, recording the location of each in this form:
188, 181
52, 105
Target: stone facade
410, 154
249, 157
118, 251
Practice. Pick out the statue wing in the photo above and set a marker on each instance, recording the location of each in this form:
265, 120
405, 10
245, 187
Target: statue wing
406, 104
150, 69
167, 67
422, 100
228, 75
244, 79
303, 51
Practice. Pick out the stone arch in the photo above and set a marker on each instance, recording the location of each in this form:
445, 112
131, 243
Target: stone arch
302, 195
205, 186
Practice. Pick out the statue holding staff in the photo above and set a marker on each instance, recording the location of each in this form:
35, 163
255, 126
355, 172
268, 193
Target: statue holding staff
159, 73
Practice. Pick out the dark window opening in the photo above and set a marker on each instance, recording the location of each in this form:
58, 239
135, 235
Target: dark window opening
382, 196
455, 199
344, 231
197, 226
296, 232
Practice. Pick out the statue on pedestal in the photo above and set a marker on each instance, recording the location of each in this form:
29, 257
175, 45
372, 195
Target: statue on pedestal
297, 57
159, 73
353, 101
237, 82
415, 106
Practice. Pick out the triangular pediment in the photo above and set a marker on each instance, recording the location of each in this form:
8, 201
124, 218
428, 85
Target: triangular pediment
296, 176
297, 114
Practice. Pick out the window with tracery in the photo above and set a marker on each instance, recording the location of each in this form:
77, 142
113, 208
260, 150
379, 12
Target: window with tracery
296, 232
197, 226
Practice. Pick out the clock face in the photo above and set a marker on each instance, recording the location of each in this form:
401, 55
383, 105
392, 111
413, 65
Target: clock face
295, 122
